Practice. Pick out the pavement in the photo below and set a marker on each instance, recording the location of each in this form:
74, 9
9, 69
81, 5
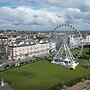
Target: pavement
81, 86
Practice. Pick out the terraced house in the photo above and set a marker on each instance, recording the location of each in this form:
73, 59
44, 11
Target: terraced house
32, 50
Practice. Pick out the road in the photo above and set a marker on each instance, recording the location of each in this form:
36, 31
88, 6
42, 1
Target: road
9, 63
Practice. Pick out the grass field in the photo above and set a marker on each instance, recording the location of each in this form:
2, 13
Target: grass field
41, 74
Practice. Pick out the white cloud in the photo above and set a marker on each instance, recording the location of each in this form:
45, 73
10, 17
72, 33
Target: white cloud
50, 12
26, 15
75, 15
73, 10
66, 3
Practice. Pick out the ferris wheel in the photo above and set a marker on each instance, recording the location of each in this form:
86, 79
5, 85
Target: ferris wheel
69, 45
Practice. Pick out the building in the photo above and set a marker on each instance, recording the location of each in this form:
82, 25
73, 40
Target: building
28, 51
87, 39
3, 44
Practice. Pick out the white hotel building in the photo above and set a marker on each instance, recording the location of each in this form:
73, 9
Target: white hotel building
21, 52
87, 39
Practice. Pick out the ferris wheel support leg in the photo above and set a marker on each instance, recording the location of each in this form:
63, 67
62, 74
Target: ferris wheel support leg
71, 56
57, 53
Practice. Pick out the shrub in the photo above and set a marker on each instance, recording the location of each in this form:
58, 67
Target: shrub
82, 80
1, 62
64, 86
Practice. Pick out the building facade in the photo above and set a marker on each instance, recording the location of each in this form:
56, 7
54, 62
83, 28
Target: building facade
3, 49
21, 52
88, 39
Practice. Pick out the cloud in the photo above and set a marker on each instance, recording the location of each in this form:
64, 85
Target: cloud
75, 15
84, 5
44, 13
27, 16
74, 11
66, 3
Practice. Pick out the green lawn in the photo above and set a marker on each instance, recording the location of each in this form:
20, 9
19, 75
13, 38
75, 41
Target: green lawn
41, 74
85, 50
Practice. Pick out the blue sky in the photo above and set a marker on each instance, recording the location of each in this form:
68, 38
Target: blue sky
43, 15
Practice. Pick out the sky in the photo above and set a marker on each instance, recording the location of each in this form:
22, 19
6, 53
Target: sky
41, 15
